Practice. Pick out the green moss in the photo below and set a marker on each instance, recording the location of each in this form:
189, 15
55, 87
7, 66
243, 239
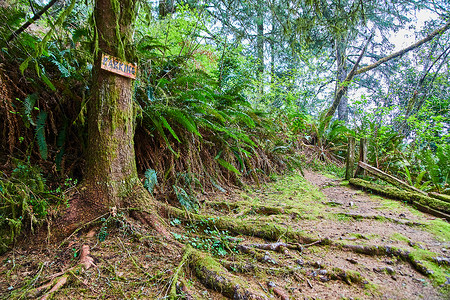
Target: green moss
424, 257
410, 197
398, 237
440, 229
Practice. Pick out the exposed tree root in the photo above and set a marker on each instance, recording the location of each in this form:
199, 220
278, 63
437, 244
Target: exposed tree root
278, 291
59, 284
183, 291
278, 247
213, 275
238, 267
388, 251
266, 231
85, 259
381, 218
173, 294
259, 256
347, 276
244, 208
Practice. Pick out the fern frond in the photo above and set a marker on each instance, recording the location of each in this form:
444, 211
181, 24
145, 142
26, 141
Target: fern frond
40, 134
151, 180
28, 105
228, 166
187, 201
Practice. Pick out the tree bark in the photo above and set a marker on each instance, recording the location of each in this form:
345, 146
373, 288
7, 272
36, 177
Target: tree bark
342, 90
260, 45
341, 61
111, 168
165, 7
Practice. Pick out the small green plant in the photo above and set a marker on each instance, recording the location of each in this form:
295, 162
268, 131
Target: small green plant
151, 180
114, 221
203, 236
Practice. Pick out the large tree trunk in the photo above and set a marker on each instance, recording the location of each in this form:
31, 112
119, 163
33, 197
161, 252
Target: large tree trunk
111, 168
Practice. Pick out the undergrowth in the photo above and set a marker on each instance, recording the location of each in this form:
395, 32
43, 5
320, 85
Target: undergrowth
26, 200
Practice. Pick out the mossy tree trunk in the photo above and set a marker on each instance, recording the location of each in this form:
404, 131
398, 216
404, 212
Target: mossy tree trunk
111, 168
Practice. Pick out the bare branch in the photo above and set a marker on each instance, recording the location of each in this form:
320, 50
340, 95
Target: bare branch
405, 50
31, 21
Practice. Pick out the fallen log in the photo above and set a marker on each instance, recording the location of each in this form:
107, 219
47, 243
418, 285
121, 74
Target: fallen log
389, 178
423, 203
442, 197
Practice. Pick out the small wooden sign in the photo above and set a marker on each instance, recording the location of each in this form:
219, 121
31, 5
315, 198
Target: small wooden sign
114, 65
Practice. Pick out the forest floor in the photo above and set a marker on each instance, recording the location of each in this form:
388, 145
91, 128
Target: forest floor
133, 262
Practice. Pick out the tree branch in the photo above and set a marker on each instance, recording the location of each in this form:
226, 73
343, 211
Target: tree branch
344, 86
405, 50
31, 21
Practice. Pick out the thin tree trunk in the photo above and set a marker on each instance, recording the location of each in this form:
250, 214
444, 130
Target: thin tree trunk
165, 7
260, 45
341, 60
272, 48
344, 86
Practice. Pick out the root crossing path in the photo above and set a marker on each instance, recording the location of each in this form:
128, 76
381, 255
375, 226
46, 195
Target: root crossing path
310, 237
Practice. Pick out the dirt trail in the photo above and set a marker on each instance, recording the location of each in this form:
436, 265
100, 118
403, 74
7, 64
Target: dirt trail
131, 261
362, 222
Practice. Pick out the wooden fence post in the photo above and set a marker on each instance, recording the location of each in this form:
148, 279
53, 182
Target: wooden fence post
350, 158
362, 157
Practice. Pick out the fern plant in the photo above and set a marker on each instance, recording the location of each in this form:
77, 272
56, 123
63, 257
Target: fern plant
24, 201
437, 164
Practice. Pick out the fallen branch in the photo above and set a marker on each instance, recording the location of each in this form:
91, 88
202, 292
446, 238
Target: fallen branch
389, 178
423, 203
405, 50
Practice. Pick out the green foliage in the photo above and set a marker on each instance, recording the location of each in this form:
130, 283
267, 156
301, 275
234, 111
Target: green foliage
437, 164
114, 221
204, 236
151, 180
24, 201
40, 134
327, 143
189, 202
